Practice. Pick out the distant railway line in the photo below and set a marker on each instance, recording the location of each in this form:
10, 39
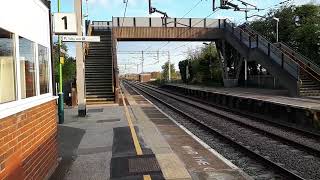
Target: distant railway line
283, 152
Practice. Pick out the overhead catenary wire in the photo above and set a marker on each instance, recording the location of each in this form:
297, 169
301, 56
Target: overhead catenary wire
191, 9
272, 6
190, 27
267, 8
124, 15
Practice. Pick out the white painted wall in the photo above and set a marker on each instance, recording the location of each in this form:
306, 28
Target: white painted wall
27, 18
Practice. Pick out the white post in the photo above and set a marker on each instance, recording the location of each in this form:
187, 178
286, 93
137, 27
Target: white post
137, 68
169, 67
277, 31
158, 59
277, 26
142, 56
245, 70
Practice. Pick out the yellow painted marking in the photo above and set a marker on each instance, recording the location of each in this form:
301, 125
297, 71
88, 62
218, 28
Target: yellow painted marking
133, 131
146, 177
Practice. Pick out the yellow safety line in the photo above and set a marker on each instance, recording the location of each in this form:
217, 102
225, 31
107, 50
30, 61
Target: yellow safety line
146, 177
133, 131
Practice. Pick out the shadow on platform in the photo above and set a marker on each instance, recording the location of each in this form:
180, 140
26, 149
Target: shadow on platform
69, 139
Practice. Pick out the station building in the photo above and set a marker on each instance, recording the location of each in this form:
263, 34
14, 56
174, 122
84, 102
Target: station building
28, 113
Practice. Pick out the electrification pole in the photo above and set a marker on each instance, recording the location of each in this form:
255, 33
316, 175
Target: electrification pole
169, 68
142, 56
245, 71
61, 59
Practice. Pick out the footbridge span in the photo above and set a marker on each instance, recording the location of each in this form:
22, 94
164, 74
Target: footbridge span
235, 44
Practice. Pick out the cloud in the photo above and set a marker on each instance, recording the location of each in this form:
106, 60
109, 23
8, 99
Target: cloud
301, 2
98, 3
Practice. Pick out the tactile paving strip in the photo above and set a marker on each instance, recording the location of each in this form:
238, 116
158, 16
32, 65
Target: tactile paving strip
143, 164
155, 115
135, 166
140, 100
95, 110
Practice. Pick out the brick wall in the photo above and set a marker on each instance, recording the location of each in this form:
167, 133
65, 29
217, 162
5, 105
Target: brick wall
28, 143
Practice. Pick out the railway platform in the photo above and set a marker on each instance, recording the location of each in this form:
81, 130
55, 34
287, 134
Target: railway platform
273, 104
135, 140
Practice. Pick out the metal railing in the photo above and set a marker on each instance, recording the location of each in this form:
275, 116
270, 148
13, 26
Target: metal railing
253, 40
250, 38
101, 25
305, 63
167, 22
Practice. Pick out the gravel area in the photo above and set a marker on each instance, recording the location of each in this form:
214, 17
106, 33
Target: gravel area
290, 157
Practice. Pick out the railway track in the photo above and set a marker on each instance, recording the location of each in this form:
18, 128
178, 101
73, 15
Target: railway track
288, 152
305, 140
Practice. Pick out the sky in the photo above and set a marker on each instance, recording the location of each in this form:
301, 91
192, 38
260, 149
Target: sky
104, 10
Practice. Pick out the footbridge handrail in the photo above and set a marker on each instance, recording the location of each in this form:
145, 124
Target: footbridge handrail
100, 25
305, 63
255, 40
167, 22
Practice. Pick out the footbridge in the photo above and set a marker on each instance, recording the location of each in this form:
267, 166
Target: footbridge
235, 45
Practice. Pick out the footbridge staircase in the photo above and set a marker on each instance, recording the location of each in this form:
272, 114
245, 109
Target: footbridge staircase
295, 72
302, 68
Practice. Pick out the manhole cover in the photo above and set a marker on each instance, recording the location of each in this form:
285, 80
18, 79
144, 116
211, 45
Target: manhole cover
145, 164
95, 110
107, 120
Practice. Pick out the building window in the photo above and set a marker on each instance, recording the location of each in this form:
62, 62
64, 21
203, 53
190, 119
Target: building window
27, 68
43, 69
7, 67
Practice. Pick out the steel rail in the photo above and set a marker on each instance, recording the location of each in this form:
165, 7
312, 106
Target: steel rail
236, 112
244, 149
303, 147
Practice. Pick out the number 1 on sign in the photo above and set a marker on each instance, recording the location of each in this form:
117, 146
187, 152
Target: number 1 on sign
65, 22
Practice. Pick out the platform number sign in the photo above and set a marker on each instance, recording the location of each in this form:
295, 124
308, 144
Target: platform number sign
65, 19
65, 24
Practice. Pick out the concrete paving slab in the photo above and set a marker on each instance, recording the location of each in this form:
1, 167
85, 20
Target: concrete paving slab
86, 145
172, 167
94, 166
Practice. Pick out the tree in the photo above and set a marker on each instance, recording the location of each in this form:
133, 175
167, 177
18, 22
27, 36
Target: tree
69, 66
165, 71
203, 66
184, 66
299, 27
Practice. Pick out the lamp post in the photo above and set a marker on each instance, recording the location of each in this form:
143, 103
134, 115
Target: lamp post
274, 18
277, 30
